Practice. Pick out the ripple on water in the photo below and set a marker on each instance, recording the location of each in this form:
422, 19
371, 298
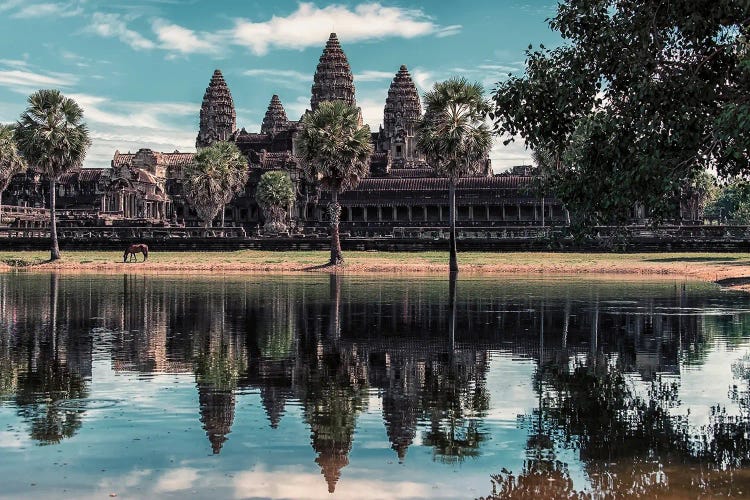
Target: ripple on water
87, 404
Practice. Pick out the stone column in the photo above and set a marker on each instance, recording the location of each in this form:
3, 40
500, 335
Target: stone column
380, 213
409, 209
364, 213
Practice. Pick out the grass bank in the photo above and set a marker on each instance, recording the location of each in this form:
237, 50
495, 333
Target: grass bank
705, 266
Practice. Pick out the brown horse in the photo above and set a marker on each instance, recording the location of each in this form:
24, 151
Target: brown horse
134, 249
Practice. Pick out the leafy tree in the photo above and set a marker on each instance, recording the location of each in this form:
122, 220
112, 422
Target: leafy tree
732, 203
275, 194
455, 139
211, 181
51, 135
639, 98
11, 161
335, 150
697, 193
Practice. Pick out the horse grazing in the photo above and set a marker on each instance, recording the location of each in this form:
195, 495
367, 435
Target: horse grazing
134, 249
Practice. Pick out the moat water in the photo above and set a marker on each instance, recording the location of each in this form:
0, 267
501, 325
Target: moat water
146, 386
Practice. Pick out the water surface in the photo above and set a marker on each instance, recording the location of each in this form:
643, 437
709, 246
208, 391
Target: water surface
318, 387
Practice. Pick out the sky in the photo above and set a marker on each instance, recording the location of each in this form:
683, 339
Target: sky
139, 68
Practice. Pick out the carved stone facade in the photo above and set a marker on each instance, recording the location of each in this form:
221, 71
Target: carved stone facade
218, 119
401, 117
275, 120
333, 80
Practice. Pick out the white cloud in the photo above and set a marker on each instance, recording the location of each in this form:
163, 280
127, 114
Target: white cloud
15, 63
115, 26
285, 77
175, 38
296, 484
10, 440
423, 79
10, 4
310, 25
454, 29
372, 76
504, 157
131, 125
34, 11
27, 80
372, 110
177, 480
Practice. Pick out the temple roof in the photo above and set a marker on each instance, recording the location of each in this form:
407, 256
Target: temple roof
175, 159
275, 119
441, 183
412, 172
333, 80
81, 175
218, 118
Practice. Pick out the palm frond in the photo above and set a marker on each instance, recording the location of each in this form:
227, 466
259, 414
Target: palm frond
11, 161
333, 146
51, 134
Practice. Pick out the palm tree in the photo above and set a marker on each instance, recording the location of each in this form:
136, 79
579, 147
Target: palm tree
334, 148
454, 138
51, 135
275, 194
211, 181
11, 161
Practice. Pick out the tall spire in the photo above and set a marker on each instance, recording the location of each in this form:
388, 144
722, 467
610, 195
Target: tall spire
218, 119
333, 79
401, 117
275, 119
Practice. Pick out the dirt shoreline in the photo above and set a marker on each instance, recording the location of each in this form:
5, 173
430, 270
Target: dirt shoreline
728, 273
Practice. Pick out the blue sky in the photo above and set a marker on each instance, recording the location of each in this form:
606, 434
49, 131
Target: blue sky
139, 67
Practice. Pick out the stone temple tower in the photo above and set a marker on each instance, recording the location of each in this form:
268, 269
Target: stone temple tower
218, 118
333, 79
401, 117
275, 120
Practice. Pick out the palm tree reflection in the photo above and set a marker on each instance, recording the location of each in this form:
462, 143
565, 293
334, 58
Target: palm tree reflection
50, 396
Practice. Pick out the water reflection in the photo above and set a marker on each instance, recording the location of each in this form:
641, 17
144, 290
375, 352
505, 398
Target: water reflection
608, 360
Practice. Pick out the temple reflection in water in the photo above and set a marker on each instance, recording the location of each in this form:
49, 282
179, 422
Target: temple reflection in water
606, 379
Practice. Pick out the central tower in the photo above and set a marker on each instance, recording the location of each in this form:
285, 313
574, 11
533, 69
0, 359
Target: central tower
333, 79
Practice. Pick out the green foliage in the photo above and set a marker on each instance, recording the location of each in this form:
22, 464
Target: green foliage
640, 98
211, 181
275, 189
334, 148
453, 134
732, 203
11, 161
51, 134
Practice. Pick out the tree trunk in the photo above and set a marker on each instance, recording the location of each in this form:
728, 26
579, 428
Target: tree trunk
1, 207
55, 248
223, 213
334, 287
453, 266
334, 210
452, 306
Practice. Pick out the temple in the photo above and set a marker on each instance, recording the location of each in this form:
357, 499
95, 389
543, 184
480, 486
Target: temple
401, 193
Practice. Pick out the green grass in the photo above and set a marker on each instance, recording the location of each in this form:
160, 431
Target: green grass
312, 258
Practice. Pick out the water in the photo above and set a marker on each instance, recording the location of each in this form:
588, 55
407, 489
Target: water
318, 387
